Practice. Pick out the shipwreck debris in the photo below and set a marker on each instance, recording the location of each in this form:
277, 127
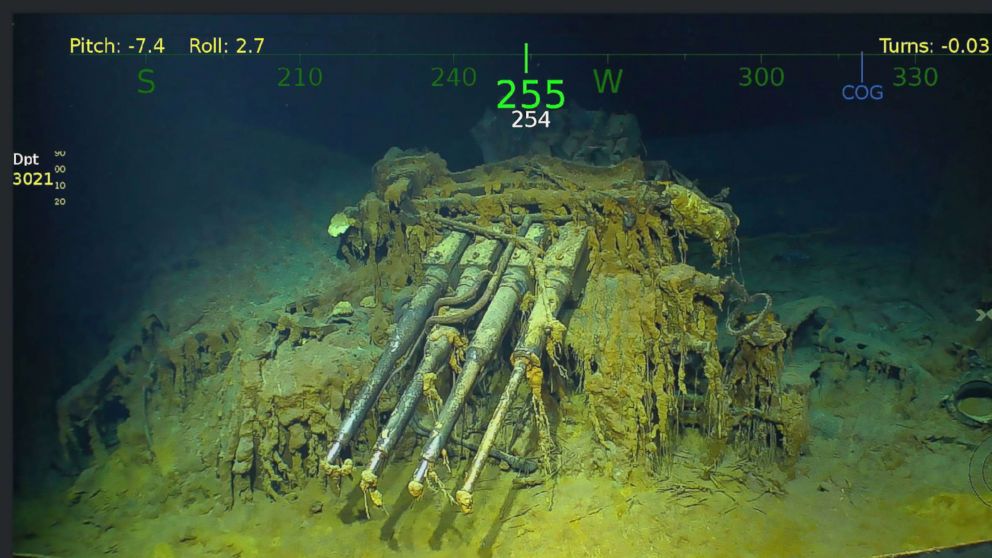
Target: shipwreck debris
593, 262
502, 293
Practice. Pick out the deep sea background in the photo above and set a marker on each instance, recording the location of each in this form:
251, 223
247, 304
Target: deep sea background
154, 177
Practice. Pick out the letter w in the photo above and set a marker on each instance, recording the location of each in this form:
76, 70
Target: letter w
607, 77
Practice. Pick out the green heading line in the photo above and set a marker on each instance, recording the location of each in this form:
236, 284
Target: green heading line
546, 54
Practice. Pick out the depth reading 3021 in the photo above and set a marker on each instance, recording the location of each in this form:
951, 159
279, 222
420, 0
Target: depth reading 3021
30, 172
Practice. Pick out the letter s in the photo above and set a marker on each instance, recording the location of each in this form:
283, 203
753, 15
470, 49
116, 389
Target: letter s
145, 80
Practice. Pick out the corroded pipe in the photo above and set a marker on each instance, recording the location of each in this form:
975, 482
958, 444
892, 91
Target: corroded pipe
517, 281
525, 465
438, 263
562, 260
436, 354
475, 265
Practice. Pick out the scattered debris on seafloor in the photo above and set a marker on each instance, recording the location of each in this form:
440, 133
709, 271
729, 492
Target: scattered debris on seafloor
499, 293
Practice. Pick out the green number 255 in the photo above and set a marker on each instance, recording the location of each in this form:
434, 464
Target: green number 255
526, 89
